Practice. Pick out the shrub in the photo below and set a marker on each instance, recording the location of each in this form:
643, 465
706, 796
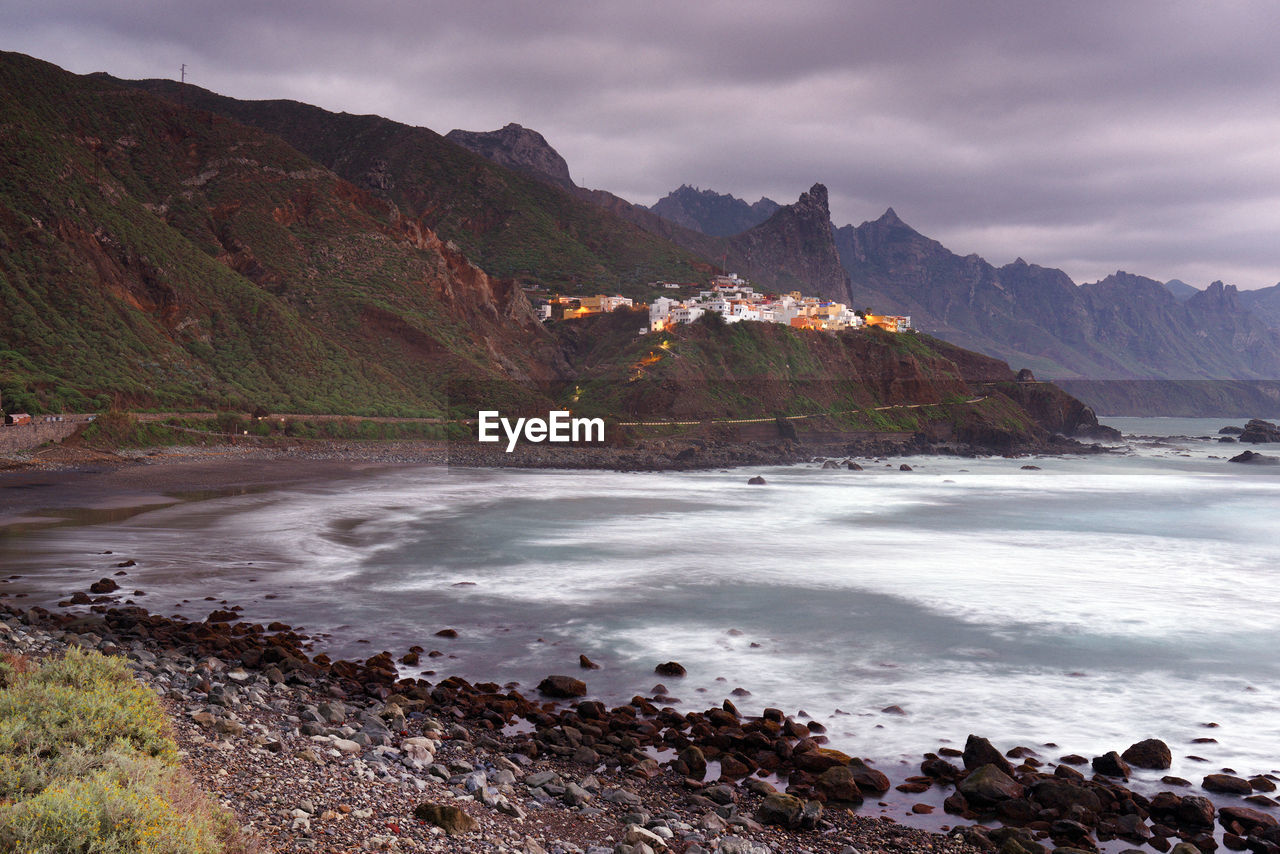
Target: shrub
87, 765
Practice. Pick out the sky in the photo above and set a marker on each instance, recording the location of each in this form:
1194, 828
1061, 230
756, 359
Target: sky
1091, 136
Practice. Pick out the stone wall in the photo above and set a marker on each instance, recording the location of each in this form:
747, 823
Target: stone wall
23, 437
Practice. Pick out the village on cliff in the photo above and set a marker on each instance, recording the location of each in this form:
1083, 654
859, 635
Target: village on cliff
734, 300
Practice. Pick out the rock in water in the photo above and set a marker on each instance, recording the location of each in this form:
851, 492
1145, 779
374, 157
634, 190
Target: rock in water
989, 785
670, 668
1259, 431
563, 687
587, 664
1111, 765
1226, 784
978, 752
451, 819
1254, 459
1150, 753
756, 481
105, 585
694, 761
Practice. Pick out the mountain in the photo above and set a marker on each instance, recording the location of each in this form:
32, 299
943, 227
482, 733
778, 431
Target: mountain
795, 249
157, 256
1265, 303
1180, 289
517, 148
1122, 327
709, 212
511, 223
778, 248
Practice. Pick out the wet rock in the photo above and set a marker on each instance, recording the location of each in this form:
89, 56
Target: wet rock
1062, 795
939, 769
695, 762
447, 633
869, 780
1151, 753
1255, 459
904, 467
104, 585
852, 466
1226, 784
782, 810
1262, 784
1111, 765
1245, 821
587, 664
978, 752
450, 819
670, 668
1258, 431
1195, 811
838, 785
756, 481
988, 785
562, 687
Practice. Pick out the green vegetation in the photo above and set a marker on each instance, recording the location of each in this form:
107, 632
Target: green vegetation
151, 257
87, 765
511, 224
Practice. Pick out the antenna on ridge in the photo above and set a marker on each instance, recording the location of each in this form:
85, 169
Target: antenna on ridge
182, 89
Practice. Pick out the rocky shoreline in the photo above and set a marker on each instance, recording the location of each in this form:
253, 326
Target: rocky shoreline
653, 454
319, 755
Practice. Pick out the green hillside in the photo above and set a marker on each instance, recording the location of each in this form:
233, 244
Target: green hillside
511, 224
155, 257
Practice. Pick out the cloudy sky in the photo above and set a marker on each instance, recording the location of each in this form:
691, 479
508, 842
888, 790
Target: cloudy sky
1091, 136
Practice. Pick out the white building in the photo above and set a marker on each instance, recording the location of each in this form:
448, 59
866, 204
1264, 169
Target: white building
687, 313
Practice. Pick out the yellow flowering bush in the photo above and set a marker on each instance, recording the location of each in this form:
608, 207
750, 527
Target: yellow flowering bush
87, 767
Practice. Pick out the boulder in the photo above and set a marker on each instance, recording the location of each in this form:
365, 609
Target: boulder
562, 687
782, 810
1111, 765
756, 481
1258, 431
1062, 794
105, 585
1250, 458
1151, 753
670, 668
451, 820
978, 752
1244, 821
988, 785
869, 780
837, 785
1195, 811
695, 762
1226, 784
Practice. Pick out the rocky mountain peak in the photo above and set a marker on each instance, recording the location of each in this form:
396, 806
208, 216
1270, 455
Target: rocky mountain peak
709, 212
1216, 297
890, 217
800, 231
517, 147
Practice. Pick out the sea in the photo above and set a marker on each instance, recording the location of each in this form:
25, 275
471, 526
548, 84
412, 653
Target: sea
1071, 604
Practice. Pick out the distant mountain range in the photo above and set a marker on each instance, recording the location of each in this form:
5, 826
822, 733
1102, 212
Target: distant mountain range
1123, 327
